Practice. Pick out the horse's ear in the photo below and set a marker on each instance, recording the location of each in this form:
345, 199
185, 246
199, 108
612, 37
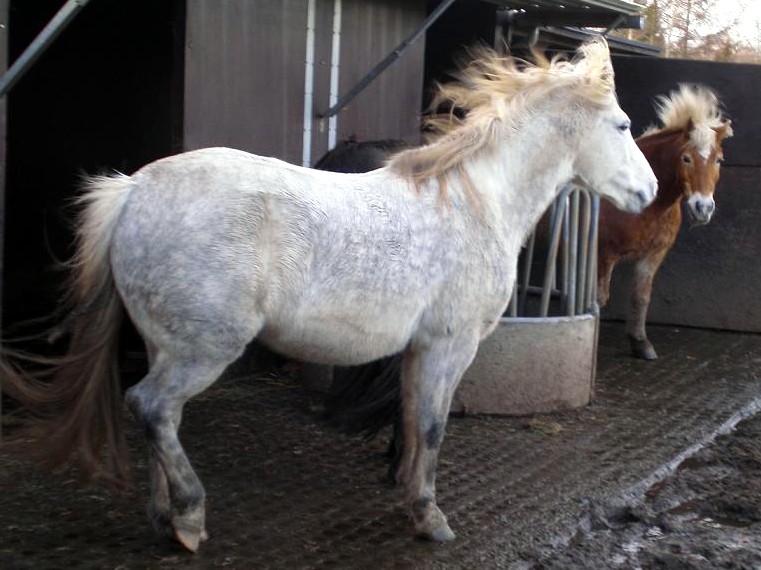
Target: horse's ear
690, 125
724, 131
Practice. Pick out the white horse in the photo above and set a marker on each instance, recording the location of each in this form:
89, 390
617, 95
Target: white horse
209, 249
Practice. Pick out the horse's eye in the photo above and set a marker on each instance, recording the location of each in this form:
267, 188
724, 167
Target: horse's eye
623, 127
686, 158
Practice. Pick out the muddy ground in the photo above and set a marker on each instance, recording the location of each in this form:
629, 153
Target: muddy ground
559, 491
707, 515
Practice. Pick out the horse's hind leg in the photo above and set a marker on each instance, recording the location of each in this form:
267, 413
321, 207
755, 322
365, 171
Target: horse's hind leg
429, 379
159, 507
639, 302
177, 499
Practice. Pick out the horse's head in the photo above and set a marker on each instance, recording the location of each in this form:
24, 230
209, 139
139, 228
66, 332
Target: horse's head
608, 160
699, 168
691, 115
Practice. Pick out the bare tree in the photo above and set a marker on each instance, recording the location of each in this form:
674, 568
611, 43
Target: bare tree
693, 29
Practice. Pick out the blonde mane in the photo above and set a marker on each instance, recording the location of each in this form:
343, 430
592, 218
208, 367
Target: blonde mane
496, 92
692, 105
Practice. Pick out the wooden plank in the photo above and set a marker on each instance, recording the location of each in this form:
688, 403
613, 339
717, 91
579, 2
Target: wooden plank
244, 76
390, 106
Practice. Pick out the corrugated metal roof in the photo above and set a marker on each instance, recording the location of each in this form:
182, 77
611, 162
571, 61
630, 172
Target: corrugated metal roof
625, 7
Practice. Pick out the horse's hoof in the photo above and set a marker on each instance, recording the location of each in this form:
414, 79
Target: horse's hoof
188, 539
441, 534
431, 524
644, 350
189, 530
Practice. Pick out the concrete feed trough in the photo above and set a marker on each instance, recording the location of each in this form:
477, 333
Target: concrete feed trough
532, 365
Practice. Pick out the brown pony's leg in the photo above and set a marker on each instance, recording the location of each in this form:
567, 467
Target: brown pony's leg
430, 376
639, 302
605, 267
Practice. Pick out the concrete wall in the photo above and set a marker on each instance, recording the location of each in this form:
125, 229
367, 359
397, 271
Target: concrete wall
532, 366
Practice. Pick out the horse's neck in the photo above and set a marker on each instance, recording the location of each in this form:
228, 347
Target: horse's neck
663, 154
521, 180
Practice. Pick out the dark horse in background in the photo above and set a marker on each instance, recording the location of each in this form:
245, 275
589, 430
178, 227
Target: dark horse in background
685, 152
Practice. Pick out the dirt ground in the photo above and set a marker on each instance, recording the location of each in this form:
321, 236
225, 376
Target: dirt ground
576, 489
707, 515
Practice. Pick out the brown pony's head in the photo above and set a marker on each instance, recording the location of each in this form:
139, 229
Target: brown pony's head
696, 111
700, 169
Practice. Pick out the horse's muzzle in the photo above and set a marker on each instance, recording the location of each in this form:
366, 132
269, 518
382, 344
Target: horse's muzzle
701, 209
644, 197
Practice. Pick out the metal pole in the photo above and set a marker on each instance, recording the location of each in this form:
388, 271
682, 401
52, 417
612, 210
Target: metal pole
586, 215
40, 44
573, 253
592, 267
552, 251
388, 60
527, 265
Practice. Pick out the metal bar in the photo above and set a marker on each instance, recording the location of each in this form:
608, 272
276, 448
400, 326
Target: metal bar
306, 148
592, 267
512, 309
617, 23
573, 252
536, 290
564, 252
335, 71
32, 53
577, 18
552, 251
581, 292
552, 210
388, 60
528, 261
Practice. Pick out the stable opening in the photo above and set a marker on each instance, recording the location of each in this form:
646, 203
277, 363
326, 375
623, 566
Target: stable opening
105, 96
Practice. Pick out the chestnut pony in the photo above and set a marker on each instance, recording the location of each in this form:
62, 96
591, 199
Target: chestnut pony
685, 153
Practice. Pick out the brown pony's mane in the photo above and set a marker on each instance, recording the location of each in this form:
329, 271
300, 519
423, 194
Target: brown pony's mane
495, 92
693, 107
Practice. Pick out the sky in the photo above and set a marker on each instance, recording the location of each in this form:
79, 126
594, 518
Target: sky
747, 13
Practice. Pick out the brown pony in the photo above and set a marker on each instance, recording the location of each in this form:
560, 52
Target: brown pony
685, 154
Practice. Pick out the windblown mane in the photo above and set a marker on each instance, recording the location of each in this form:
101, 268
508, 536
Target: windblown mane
694, 104
496, 92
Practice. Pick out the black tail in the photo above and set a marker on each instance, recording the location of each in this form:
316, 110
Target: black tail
365, 399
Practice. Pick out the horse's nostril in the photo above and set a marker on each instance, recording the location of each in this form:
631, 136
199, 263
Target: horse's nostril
643, 197
699, 207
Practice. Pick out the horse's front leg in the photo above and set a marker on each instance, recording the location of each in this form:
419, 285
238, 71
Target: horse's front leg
639, 302
430, 376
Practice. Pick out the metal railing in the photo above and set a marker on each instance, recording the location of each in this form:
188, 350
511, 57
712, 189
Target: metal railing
557, 270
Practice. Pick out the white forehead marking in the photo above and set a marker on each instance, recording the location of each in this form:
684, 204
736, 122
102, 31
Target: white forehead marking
703, 138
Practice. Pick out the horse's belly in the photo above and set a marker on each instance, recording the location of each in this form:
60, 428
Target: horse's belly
337, 341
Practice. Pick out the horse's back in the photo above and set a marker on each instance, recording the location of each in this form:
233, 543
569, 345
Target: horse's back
193, 245
241, 244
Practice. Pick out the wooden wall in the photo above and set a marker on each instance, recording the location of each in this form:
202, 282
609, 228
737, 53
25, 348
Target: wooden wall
245, 73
